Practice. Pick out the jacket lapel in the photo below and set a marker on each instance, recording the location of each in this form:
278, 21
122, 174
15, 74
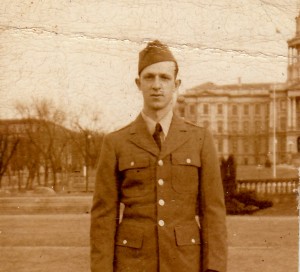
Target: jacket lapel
177, 136
140, 136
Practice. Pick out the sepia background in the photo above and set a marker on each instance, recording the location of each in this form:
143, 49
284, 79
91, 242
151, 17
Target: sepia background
83, 54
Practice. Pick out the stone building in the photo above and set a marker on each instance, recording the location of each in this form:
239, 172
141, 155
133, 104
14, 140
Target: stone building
251, 121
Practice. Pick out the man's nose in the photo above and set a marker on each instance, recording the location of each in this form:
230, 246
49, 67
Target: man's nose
156, 83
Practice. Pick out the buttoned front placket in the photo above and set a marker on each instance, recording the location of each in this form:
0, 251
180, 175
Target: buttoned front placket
163, 206
159, 196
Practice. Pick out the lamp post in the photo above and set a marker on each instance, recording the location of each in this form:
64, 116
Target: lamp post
290, 144
274, 132
86, 169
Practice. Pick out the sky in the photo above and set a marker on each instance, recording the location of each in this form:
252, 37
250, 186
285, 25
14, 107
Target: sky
84, 54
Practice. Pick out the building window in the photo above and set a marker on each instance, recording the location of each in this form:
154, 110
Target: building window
220, 145
220, 127
234, 126
234, 146
234, 109
298, 144
220, 108
257, 127
282, 105
205, 109
298, 104
282, 123
282, 144
246, 127
257, 109
246, 146
246, 109
263, 145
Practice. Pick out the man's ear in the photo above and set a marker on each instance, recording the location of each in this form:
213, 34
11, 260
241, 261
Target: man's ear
138, 82
177, 84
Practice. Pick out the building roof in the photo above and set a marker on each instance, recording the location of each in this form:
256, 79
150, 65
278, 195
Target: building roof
18, 121
241, 86
240, 89
294, 41
26, 121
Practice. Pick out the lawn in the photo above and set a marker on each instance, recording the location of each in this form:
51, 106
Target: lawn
266, 241
48, 243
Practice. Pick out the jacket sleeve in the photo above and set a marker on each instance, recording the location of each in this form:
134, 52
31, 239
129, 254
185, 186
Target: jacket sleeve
104, 213
213, 212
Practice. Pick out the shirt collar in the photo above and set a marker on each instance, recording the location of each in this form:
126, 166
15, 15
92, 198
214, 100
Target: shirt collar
165, 122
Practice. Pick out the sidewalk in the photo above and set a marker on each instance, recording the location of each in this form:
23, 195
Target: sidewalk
285, 204
57, 204
48, 243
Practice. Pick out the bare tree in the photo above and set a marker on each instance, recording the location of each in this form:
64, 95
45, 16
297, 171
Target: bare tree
47, 135
87, 141
8, 146
27, 157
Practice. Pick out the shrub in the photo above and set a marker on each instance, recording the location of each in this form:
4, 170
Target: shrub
245, 203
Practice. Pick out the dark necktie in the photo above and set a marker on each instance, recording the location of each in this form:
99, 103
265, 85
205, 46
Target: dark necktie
156, 135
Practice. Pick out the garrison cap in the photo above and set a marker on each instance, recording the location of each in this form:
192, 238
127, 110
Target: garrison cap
153, 53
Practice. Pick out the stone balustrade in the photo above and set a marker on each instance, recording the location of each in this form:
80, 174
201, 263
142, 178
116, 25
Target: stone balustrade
269, 186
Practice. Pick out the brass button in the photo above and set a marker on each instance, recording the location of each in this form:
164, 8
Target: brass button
132, 163
160, 163
124, 242
188, 160
161, 202
161, 223
193, 241
161, 182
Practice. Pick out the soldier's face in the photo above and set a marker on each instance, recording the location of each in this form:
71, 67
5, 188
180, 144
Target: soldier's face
158, 84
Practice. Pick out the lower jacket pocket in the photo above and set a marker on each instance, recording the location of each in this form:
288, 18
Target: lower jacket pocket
187, 235
129, 236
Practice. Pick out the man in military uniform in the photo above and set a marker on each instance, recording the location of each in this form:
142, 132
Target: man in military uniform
165, 172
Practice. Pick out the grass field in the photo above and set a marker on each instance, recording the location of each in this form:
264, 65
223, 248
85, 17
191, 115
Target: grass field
48, 243
59, 240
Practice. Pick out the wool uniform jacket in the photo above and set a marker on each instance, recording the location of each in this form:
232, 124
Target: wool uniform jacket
163, 192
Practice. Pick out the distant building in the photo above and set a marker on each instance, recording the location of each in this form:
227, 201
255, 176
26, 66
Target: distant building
43, 138
40, 139
245, 117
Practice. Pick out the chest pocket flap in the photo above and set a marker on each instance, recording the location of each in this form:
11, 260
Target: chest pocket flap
132, 162
186, 158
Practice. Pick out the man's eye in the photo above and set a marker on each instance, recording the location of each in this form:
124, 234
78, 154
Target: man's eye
148, 77
165, 77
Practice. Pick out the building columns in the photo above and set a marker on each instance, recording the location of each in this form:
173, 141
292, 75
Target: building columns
271, 120
289, 116
294, 113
